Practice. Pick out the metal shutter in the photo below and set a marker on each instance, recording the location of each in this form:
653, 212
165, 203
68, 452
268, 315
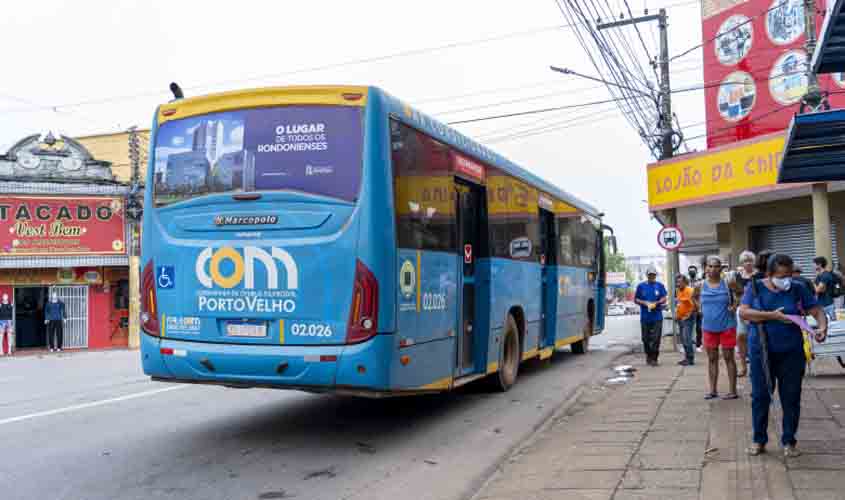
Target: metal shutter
795, 240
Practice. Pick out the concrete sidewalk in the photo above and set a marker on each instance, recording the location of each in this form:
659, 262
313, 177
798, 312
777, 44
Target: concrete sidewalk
656, 437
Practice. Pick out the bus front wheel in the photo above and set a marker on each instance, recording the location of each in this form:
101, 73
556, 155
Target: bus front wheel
509, 357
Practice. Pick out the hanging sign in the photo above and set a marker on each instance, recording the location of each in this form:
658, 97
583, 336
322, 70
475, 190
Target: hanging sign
467, 254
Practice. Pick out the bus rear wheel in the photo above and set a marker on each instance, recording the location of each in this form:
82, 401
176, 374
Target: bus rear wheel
509, 357
583, 345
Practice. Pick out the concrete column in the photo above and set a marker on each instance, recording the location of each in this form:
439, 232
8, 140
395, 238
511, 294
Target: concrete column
821, 221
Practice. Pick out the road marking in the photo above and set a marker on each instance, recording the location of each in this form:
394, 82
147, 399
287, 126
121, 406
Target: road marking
92, 404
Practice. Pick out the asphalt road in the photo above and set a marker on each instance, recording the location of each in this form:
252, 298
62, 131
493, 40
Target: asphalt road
91, 426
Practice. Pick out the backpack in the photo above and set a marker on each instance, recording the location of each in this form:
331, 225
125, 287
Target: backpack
837, 285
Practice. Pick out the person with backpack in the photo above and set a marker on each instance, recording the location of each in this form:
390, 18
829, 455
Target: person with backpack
718, 325
824, 286
740, 280
776, 348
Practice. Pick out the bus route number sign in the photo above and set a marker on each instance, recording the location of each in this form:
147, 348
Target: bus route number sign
670, 238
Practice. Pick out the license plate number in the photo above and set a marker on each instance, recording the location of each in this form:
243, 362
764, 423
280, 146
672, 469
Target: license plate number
246, 330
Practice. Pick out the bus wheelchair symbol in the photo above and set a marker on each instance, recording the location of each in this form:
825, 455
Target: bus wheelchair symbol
165, 277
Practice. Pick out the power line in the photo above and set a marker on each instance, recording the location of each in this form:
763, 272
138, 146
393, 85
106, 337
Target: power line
718, 35
531, 112
522, 99
312, 69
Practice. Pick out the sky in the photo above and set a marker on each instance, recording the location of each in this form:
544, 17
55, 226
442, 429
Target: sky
101, 66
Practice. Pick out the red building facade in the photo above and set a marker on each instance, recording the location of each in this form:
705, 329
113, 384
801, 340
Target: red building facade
755, 66
63, 231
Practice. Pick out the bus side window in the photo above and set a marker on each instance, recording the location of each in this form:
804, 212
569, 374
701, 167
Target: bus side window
424, 197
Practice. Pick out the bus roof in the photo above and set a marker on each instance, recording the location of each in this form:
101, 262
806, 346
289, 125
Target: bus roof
448, 135
348, 95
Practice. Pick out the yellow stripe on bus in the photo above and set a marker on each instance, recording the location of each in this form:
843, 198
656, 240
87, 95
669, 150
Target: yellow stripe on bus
337, 95
163, 325
492, 367
281, 331
568, 340
547, 352
529, 354
443, 383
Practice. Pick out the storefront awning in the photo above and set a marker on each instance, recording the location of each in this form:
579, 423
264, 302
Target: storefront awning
36, 262
815, 147
829, 56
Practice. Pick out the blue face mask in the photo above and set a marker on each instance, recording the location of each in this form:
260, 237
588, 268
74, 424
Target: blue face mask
782, 283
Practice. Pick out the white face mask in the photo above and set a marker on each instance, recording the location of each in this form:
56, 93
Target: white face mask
782, 283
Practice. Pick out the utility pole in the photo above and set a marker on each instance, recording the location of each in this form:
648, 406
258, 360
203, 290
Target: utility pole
667, 133
134, 211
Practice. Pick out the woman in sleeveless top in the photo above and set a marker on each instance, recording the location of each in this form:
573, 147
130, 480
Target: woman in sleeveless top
718, 325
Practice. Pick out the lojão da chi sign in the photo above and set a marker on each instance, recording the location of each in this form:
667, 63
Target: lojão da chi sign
41, 225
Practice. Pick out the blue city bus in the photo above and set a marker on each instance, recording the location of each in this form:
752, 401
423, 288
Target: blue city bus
334, 239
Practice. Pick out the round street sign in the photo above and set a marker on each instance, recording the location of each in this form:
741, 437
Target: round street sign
670, 238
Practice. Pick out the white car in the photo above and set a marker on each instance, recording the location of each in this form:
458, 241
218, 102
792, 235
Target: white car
615, 310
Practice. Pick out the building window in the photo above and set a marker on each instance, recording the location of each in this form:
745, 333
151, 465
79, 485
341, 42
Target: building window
121, 295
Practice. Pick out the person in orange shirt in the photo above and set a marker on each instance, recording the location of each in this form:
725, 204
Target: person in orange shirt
684, 314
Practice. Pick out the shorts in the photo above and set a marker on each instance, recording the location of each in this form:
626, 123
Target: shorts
726, 339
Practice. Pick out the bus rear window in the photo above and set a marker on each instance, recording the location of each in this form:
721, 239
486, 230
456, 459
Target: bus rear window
312, 149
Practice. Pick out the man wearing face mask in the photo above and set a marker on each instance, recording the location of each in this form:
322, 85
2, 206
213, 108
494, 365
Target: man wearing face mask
770, 305
55, 317
6, 328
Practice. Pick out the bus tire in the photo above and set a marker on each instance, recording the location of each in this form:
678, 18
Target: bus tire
583, 345
510, 356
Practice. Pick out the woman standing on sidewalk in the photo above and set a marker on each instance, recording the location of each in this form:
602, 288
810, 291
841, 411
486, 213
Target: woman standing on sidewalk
742, 277
767, 304
718, 325
686, 320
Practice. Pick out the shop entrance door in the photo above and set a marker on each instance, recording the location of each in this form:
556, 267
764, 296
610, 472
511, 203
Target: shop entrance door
76, 309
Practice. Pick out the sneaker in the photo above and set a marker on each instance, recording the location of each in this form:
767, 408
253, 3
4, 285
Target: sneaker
756, 449
790, 451
699, 349
683, 362
51, 349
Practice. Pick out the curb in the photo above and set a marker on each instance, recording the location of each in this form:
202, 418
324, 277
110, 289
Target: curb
478, 484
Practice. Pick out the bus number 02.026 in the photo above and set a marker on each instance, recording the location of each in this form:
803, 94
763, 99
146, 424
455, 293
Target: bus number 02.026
310, 330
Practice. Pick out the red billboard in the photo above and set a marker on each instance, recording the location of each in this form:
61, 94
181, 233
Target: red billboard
42, 225
755, 67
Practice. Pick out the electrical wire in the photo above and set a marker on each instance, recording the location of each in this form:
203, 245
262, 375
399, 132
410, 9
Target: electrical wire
718, 35
531, 112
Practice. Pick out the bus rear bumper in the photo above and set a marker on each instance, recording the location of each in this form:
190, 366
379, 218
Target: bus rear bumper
318, 368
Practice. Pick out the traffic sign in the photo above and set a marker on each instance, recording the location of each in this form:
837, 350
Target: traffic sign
670, 238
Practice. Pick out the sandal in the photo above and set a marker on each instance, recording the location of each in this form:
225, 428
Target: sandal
790, 451
731, 395
712, 395
756, 449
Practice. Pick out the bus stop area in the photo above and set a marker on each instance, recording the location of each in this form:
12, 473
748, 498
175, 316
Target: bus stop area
655, 437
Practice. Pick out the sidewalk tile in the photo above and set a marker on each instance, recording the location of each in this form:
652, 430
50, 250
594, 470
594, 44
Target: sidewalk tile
817, 480
661, 479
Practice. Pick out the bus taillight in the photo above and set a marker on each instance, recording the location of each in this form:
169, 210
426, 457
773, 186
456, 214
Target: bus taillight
149, 309
363, 315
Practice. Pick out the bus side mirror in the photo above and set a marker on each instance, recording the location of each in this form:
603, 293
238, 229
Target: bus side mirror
612, 242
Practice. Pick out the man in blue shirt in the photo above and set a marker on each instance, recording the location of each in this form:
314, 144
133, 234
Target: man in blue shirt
651, 296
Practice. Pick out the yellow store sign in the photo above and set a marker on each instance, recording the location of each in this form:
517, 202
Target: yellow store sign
725, 172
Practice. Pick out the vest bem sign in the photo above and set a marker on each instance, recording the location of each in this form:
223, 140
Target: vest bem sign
42, 225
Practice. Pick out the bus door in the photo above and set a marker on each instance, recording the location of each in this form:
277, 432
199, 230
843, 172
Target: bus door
548, 263
470, 200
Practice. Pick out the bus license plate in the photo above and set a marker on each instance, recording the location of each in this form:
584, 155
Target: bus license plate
246, 329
